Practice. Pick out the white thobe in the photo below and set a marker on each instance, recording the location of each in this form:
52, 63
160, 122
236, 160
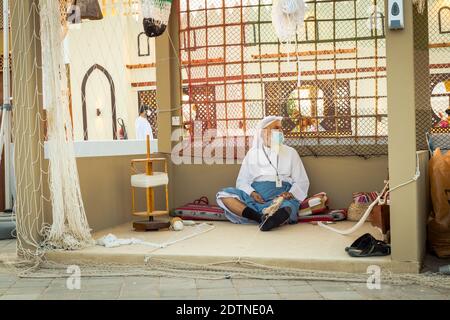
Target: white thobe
143, 128
256, 167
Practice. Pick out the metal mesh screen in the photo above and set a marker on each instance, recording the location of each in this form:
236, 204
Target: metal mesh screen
432, 49
235, 72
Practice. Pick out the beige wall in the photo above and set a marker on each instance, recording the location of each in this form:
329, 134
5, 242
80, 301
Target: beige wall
105, 183
338, 177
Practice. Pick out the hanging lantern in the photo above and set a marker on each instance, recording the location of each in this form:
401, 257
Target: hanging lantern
84, 9
156, 15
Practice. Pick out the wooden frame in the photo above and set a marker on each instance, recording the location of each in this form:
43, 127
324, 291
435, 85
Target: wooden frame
148, 162
113, 99
143, 54
441, 10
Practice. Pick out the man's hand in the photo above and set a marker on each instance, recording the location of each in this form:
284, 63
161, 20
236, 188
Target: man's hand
287, 195
257, 197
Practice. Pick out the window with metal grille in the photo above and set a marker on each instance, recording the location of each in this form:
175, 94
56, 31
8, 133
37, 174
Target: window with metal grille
235, 71
1, 14
444, 20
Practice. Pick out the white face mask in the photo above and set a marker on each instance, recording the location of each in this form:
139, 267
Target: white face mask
277, 138
149, 113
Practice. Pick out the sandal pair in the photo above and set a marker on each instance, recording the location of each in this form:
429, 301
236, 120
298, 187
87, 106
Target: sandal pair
368, 246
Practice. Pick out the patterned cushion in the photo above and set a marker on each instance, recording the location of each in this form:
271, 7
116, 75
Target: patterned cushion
200, 209
316, 204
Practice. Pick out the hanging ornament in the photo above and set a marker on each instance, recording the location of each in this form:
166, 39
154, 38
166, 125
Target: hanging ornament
156, 15
420, 5
84, 9
287, 15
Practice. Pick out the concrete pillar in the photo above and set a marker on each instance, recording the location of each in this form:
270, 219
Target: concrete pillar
402, 93
168, 83
28, 154
168, 88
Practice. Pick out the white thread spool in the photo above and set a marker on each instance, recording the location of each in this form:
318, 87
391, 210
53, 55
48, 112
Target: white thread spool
178, 225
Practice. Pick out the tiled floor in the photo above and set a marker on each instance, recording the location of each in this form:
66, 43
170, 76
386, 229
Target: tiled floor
145, 288
150, 288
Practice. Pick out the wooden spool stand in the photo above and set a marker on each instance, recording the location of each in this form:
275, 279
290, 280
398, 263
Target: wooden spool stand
151, 179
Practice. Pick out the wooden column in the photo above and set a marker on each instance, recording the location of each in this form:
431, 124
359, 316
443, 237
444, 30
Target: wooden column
168, 86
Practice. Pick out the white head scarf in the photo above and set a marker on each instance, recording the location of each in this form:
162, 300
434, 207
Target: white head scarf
264, 123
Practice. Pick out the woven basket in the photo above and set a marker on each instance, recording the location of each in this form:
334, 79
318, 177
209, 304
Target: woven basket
356, 211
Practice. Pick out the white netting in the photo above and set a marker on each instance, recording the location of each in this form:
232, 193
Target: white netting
158, 10
54, 55
154, 266
287, 17
69, 229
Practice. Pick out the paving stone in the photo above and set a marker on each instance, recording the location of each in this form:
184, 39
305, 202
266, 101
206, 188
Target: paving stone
223, 297
383, 294
246, 283
27, 283
20, 297
59, 283
141, 281
205, 284
140, 287
301, 296
260, 297
99, 295
178, 293
141, 298
8, 277
134, 288
67, 296
30, 290
330, 286
413, 295
295, 289
60, 290
256, 290
283, 283
101, 287
216, 292
140, 295
102, 282
343, 295
184, 298
420, 290
174, 283
6, 284
140, 292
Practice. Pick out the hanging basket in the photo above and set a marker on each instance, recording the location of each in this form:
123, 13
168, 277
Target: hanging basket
356, 211
156, 14
287, 15
84, 9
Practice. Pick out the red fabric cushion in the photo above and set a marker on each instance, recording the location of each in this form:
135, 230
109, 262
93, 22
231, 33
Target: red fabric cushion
200, 209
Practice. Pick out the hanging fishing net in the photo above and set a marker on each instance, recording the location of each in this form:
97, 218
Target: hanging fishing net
287, 16
69, 229
85, 9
